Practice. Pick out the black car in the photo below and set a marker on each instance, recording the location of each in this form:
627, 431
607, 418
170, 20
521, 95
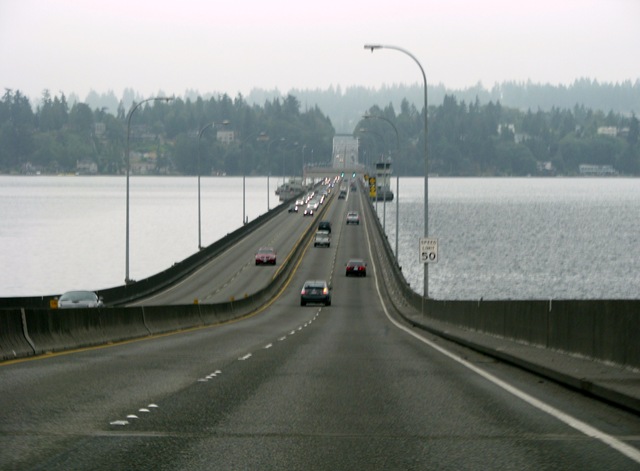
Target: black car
324, 226
315, 291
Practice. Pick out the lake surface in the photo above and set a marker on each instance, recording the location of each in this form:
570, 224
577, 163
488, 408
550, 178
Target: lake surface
498, 238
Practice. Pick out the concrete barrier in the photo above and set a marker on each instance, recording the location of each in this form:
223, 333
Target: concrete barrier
53, 330
122, 323
13, 343
162, 319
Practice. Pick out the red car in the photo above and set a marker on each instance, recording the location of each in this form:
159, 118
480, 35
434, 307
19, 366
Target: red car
266, 256
356, 267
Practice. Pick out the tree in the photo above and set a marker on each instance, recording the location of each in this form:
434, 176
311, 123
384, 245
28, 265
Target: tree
17, 125
81, 120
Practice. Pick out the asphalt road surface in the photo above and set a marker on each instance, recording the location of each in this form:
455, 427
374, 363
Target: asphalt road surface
343, 387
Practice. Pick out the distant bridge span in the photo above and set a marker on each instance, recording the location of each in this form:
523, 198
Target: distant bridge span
317, 173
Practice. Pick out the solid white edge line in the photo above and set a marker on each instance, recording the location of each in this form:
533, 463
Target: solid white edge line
569, 420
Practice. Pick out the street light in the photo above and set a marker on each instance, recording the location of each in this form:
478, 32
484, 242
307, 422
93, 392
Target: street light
373, 47
262, 135
282, 139
127, 280
367, 116
224, 123
303, 149
384, 146
292, 145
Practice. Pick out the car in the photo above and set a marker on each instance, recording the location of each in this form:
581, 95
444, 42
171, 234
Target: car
323, 238
293, 208
353, 217
266, 256
324, 226
308, 211
300, 202
315, 291
78, 299
356, 267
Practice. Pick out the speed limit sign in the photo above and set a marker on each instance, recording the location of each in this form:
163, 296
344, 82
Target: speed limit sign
428, 250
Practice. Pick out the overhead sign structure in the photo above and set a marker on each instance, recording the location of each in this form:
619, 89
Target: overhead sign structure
428, 250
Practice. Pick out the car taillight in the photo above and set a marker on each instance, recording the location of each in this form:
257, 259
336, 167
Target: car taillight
325, 291
304, 291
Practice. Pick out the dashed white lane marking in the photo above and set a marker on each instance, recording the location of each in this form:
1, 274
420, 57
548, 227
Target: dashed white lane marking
147, 410
122, 423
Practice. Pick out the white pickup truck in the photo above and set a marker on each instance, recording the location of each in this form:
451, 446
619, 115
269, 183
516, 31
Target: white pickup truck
323, 239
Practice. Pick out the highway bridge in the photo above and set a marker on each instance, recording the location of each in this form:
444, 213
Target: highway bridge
216, 365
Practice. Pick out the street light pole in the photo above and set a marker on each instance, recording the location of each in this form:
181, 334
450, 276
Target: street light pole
303, 149
373, 47
292, 145
282, 139
367, 116
127, 280
207, 126
384, 197
243, 163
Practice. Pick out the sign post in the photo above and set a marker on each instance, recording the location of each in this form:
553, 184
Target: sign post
428, 250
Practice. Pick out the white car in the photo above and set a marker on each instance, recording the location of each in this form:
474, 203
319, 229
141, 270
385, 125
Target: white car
353, 217
78, 299
323, 239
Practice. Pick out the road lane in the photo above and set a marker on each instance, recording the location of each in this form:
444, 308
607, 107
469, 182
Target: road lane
233, 274
295, 388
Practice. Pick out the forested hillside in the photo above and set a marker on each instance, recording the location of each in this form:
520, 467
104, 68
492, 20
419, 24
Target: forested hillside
482, 135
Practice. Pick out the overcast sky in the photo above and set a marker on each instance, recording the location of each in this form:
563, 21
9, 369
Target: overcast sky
232, 46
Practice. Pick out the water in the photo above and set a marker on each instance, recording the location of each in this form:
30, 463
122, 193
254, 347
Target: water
498, 238
67, 232
522, 238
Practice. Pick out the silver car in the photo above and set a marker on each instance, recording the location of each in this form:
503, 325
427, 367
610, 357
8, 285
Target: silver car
353, 217
77, 299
